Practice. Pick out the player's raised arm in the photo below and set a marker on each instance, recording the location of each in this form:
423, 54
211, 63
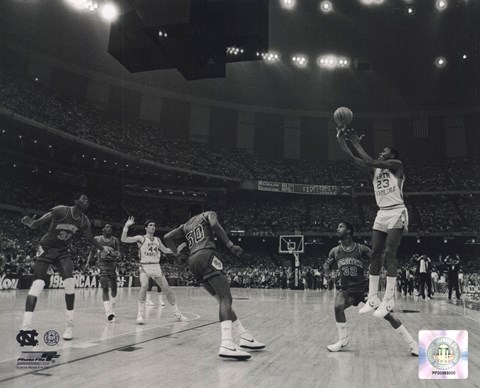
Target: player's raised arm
31, 222
91, 254
391, 164
343, 146
129, 240
222, 235
351, 135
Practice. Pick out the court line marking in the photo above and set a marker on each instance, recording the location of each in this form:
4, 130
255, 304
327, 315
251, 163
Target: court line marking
456, 312
106, 352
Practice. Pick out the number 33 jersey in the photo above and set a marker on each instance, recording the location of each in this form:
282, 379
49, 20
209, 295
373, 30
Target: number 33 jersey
63, 226
199, 233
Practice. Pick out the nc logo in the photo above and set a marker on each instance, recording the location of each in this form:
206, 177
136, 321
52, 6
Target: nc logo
27, 338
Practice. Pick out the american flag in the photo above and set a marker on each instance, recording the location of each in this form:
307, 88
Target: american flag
420, 125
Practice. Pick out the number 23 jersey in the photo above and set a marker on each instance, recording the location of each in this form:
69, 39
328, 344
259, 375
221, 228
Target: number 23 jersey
198, 233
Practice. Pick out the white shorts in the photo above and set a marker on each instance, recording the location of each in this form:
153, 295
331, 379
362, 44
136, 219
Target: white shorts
387, 219
153, 270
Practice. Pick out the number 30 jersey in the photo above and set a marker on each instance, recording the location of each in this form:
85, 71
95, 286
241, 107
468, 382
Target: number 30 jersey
199, 234
388, 189
63, 226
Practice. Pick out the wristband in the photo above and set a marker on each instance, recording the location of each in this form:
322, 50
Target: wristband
230, 244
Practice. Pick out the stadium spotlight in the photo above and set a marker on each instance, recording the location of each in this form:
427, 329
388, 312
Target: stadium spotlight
300, 60
109, 12
372, 2
234, 50
83, 4
410, 10
441, 5
270, 56
464, 56
440, 62
326, 6
288, 4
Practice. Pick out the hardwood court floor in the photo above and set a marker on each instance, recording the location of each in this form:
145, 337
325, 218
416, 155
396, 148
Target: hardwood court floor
295, 325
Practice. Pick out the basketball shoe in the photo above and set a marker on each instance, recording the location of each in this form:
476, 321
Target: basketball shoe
229, 350
372, 303
341, 343
68, 333
140, 319
385, 307
248, 342
414, 348
179, 317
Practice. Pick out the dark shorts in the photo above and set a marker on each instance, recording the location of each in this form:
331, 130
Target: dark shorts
52, 255
107, 269
359, 294
205, 264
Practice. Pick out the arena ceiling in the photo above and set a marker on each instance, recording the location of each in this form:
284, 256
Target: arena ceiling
400, 50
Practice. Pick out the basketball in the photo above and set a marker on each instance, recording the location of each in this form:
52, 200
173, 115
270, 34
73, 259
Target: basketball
343, 116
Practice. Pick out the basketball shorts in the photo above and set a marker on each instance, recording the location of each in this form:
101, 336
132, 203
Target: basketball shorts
107, 272
387, 219
52, 255
152, 269
205, 264
359, 294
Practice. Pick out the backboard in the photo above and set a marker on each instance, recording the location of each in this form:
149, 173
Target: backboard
291, 244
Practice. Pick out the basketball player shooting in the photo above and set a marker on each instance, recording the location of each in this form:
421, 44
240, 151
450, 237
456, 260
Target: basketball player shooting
391, 221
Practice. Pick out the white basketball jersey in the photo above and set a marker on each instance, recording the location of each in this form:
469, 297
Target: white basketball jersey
388, 189
151, 251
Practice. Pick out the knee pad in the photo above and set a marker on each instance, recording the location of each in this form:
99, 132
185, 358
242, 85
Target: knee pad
69, 285
36, 287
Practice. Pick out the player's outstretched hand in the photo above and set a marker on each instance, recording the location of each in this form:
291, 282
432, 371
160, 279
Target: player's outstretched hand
130, 221
352, 136
236, 250
27, 220
341, 131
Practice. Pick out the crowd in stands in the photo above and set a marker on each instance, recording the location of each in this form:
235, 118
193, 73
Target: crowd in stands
32, 100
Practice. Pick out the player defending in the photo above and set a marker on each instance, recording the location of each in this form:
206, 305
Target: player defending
352, 261
206, 266
107, 264
391, 220
150, 251
65, 221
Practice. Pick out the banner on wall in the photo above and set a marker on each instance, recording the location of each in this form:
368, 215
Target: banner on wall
8, 283
88, 281
298, 188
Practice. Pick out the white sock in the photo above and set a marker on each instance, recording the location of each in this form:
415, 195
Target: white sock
176, 309
106, 305
141, 308
405, 334
69, 315
113, 300
160, 297
226, 327
373, 285
27, 319
342, 330
149, 296
390, 290
239, 329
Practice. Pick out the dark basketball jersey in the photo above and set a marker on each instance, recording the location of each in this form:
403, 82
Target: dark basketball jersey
351, 266
199, 233
110, 261
63, 227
